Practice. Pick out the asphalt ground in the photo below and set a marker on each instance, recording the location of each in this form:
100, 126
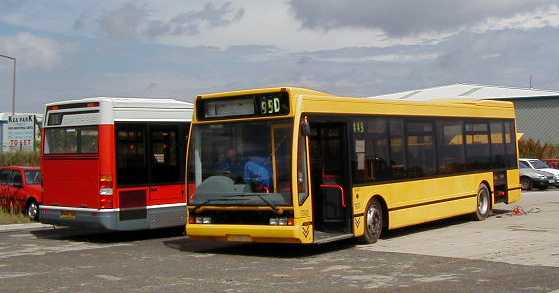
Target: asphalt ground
505, 253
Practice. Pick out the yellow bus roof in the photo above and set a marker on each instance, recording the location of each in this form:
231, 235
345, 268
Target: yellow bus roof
312, 101
293, 92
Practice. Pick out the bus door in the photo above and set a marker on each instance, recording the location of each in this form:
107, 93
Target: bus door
150, 168
132, 165
330, 180
166, 160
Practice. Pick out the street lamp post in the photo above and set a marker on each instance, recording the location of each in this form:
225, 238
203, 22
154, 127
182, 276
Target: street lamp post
13, 84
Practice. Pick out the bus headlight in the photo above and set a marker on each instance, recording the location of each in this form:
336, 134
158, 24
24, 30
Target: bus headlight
281, 221
203, 220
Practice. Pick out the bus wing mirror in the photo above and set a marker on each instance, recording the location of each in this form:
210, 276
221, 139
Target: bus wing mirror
305, 127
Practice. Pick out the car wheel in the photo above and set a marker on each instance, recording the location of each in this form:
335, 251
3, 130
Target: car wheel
526, 183
32, 210
483, 203
373, 222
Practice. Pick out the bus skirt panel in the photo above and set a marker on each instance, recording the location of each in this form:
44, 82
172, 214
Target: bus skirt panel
150, 217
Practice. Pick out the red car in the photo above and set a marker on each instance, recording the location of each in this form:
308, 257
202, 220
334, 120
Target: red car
20, 187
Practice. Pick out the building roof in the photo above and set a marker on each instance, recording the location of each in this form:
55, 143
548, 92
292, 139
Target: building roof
469, 91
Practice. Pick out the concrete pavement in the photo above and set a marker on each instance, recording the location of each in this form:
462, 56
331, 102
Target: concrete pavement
502, 254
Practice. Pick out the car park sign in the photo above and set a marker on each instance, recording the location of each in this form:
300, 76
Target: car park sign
21, 132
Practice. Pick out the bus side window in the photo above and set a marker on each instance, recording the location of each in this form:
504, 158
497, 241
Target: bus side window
371, 161
478, 155
450, 146
510, 144
397, 154
302, 185
497, 145
420, 148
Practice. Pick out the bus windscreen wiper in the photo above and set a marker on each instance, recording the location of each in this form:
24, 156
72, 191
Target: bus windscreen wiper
269, 203
210, 200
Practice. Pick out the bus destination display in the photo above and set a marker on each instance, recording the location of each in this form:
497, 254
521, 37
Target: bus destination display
269, 104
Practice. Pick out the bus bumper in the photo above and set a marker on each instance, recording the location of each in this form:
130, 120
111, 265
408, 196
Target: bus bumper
250, 233
113, 219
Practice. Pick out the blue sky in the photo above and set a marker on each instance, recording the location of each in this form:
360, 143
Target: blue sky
177, 49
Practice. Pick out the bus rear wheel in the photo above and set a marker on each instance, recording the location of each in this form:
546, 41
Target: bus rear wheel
483, 203
373, 222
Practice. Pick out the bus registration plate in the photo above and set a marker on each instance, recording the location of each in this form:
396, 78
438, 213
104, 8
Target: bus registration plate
68, 215
239, 238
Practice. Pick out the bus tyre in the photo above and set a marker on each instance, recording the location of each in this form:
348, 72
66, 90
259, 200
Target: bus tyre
373, 222
32, 210
483, 203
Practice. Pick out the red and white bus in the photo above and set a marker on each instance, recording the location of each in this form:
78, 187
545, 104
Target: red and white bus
115, 163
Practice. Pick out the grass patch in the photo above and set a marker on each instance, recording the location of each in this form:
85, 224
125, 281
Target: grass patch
19, 158
7, 217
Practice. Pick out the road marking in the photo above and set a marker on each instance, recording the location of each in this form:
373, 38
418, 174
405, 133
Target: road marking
108, 277
9, 275
51, 248
17, 227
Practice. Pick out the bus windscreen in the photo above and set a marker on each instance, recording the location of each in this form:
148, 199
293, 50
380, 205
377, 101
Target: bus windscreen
241, 162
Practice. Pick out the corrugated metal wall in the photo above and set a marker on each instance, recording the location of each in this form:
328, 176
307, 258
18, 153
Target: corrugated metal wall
538, 118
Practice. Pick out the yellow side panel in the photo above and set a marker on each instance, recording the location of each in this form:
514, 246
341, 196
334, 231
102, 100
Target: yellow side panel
420, 201
513, 178
432, 212
358, 225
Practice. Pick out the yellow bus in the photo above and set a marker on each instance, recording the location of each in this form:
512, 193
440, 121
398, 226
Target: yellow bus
292, 165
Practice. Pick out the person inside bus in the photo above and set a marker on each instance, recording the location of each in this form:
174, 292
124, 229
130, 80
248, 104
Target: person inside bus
257, 172
231, 165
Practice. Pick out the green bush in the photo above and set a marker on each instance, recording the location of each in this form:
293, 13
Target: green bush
19, 158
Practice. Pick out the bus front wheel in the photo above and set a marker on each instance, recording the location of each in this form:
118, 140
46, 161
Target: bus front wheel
483, 203
373, 222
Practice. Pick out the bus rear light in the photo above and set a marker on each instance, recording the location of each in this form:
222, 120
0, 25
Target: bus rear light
106, 203
106, 191
106, 185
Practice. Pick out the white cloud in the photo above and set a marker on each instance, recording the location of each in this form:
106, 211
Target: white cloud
398, 18
134, 20
396, 58
32, 51
540, 18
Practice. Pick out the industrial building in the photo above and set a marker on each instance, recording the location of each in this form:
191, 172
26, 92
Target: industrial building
537, 111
